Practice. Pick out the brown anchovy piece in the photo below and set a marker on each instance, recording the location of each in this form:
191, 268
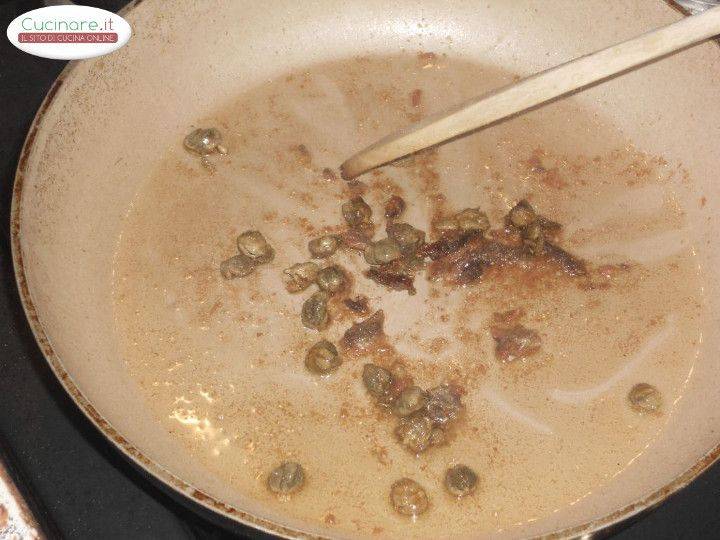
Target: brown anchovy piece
447, 245
357, 238
361, 335
394, 207
572, 266
359, 304
391, 280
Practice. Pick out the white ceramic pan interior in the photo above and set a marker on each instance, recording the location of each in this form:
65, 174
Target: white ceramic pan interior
108, 140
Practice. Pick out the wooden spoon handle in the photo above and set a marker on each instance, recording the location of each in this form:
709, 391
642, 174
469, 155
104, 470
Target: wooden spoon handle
535, 90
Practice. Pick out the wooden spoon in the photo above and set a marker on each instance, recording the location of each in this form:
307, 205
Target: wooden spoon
535, 90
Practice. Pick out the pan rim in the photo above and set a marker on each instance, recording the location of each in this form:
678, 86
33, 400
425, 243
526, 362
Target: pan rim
194, 495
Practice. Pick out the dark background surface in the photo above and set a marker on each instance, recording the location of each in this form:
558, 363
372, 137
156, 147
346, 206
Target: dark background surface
75, 481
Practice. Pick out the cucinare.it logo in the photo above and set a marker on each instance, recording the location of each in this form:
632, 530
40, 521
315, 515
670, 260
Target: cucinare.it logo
69, 32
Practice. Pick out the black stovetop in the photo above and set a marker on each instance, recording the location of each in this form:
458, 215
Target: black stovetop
76, 482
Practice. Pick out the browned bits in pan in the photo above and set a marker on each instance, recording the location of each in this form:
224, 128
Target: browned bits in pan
408, 498
302, 155
513, 341
394, 207
329, 174
416, 97
286, 478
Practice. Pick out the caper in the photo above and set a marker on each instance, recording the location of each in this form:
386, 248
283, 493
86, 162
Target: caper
331, 279
414, 433
408, 498
411, 399
443, 404
204, 141
356, 211
394, 206
322, 358
645, 398
460, 480
447, 224
408, 238
382, 252
315, 312
377, 380
254, 245
324, 246
472, 219
238, 266
522, 214
300, 276
286, 478
533, 238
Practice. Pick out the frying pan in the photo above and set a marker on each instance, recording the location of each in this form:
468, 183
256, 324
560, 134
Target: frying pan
106, 123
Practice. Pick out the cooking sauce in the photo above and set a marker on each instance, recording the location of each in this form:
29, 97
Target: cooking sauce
221, 362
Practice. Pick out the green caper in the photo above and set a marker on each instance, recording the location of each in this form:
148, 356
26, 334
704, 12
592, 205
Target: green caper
300, 276
324, 246
356, 211
238, 266
331, 279
322, 358
315, 312
382, 252
411, 399
533, 238
204, 141
447, 224
414, 433
472, 219
645, 398
522, 214
286, 478
460, 480
407, 237
377, 380
254, 245
408, 498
